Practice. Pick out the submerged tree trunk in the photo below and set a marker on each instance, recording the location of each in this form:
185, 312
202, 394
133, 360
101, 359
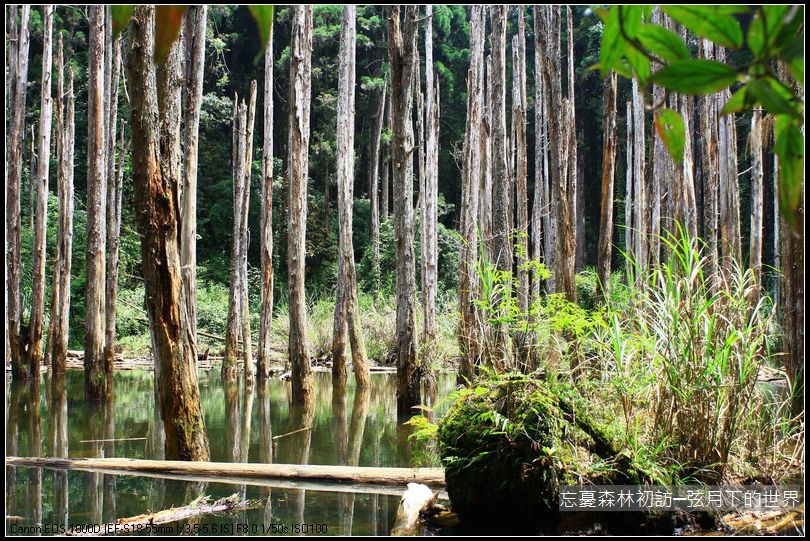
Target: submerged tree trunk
94, 374
469, 337
247, 168
156, 205
114, 188
402, 31
266, 241
430, 199
18, 44
347, 313
41, 219
60, 300
195, 26
297, 173
608, 173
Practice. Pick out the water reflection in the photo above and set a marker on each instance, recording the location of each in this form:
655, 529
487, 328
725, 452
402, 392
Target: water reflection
246, 423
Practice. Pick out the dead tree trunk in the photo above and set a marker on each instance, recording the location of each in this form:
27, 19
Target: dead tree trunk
375, 157
629, 197
297, 172
710, 168
233, 333
640, 200
266, 246
608, 173
519, 107
402, 31
114, 188
156, 204
347, 313
247, 167
95, 315
431, 193
41, 218
18, 43
469, 337
540, 208
195, 27
757, 203
60, 301
729, 204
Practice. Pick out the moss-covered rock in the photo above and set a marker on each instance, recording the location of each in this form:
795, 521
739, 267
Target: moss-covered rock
509, 445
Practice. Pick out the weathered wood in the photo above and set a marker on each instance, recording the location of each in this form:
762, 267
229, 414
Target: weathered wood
757, 202
402, 31
200, 507
608, 172
297, 175
95, 314
347, 314
352, 474
431, 187
416, 499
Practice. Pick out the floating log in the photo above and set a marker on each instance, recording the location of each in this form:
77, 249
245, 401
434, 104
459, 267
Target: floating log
350, 474
199, 507
415, 500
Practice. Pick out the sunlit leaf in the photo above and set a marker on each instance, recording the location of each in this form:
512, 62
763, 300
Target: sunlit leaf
710, 22
263, 15
168, 22
669, 126
789, 146
695, 76
613, 44
120, 18
774, 97
663, 42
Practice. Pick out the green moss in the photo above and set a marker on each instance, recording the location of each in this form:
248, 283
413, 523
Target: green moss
509, 444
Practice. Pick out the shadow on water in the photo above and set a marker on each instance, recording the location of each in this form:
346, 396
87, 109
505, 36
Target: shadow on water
253, 423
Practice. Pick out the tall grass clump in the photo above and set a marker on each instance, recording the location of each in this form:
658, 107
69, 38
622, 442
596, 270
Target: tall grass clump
683, 356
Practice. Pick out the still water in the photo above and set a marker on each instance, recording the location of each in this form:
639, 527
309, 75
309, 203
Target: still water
245, 424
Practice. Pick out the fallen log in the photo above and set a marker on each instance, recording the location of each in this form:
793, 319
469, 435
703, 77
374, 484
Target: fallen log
349, 474
415, 500
199, 507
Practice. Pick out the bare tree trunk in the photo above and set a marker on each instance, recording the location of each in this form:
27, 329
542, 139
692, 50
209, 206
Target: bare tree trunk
114, 187
473, 176
485, 181
730, 236
347, 314
543, 183
375, 157
234, 330
540, 205
757, 203
608, 174
710, 167
641, 230
402, 31
41, 220
156, 205
195, 27
502, 193
519, 107
629, 182
298, 170
247, 168
431, 187
18, 77
60, 301
662, 174
94, 374
266, 247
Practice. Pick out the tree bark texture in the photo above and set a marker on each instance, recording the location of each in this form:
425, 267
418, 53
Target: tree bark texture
266, 246
605, 248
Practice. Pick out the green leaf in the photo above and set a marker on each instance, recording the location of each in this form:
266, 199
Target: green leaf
669, 125
695, 76
710, 22
630, 17
263, 15
741, 100
639, 63
168, 21
613, 44
774, 97
756, 35
663, 42
789, 146
120, 18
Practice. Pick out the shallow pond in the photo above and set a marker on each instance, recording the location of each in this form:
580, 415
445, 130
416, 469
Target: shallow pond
253, 424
